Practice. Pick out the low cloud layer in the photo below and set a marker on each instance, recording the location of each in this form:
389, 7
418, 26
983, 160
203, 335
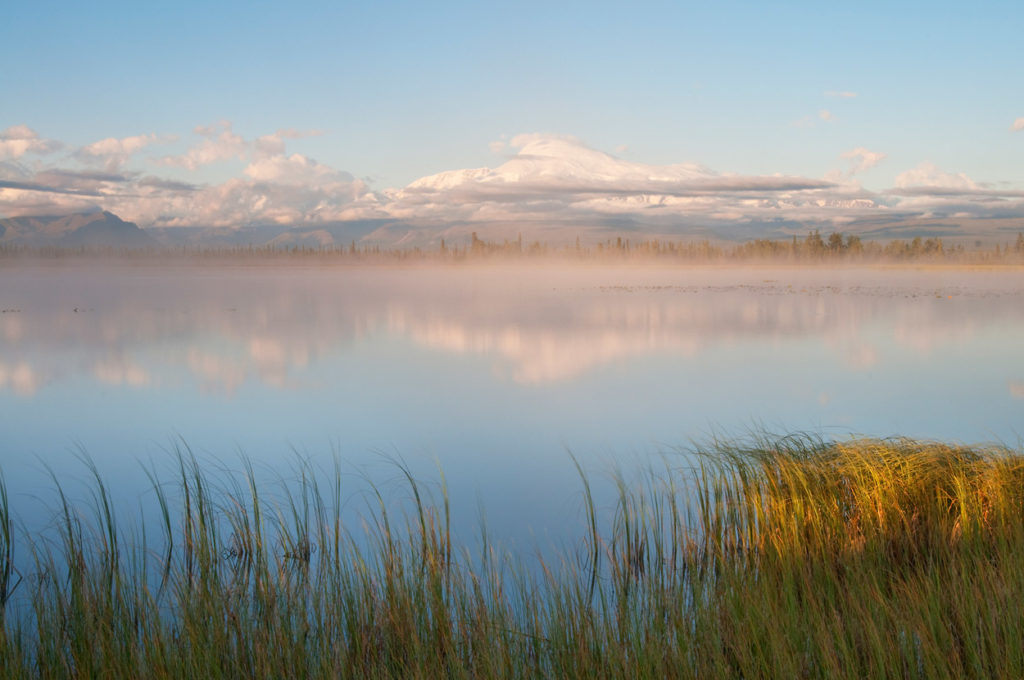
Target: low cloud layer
549, 181
274, 186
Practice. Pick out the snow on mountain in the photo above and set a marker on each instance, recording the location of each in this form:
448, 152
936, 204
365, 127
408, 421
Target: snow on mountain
560, 163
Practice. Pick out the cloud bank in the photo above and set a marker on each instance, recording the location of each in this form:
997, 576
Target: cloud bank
550, 186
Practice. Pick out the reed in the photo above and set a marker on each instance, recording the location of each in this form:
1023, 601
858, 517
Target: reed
774, 557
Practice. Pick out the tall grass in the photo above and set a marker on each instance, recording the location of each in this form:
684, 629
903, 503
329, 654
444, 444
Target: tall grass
784, 557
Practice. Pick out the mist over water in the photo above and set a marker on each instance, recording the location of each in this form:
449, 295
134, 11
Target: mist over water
492, 372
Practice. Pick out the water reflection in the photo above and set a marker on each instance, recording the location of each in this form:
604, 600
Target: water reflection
492, 373
146, 328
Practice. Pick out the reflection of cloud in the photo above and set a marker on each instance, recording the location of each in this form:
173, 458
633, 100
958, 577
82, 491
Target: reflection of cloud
1017, 389
20, 379
13, 328
267, 351
263, 326
121, 371
217, 372
274, 359
861, 357
924, 339
541, 356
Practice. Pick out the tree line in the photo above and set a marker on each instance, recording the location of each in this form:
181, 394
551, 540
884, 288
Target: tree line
813, 247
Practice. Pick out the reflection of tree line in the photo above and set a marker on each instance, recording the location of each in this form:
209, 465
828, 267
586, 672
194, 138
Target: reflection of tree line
812, 248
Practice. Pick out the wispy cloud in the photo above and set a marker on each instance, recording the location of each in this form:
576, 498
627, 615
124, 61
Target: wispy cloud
1018, 125
861, 159
274, 144
809, 121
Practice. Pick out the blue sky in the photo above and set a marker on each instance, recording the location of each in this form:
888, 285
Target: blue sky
398, 91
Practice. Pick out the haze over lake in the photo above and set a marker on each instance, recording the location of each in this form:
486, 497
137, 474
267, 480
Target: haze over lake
494, 372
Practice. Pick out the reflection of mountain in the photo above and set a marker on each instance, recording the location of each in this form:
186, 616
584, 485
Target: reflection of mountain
141, 327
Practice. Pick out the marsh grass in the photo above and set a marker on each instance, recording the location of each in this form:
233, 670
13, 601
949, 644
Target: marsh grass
781, 557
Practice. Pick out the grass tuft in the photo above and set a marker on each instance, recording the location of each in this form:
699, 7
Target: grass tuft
775, 557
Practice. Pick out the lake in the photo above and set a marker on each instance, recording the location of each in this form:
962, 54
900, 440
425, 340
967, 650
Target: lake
492, 373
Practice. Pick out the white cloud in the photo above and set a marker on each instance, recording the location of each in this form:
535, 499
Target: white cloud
843, 94
294, 169
273, 144
275, 192
559, 180
497, 146
273, 187
929, 175
18, 140
1018, 125
555, 182
112, 146
113, 152
861, 159
809, 121
220, 144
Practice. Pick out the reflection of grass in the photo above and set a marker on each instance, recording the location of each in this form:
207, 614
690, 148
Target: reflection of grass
785, 558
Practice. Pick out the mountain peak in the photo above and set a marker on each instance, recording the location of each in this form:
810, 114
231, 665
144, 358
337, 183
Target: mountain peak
99, 229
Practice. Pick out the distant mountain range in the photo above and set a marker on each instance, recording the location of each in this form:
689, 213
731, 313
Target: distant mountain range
88, 230
107, 230
102, 229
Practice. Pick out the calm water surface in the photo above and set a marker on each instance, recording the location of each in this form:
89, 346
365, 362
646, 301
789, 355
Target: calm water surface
493, 373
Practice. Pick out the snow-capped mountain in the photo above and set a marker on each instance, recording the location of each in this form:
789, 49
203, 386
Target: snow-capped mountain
546, 162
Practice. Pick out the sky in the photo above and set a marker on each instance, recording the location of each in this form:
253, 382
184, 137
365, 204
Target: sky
724, 114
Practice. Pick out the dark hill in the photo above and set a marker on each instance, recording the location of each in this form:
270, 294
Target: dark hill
108, 231
80, 230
